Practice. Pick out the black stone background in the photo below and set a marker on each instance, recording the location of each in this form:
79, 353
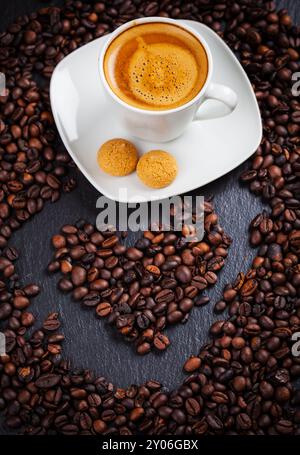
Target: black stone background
90, 342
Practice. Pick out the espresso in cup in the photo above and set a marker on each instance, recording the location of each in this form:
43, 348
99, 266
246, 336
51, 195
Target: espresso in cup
156, 66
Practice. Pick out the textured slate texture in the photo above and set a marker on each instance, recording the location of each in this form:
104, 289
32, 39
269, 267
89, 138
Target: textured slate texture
89, 342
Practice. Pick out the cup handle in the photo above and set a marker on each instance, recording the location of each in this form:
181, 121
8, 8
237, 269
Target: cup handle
221, 93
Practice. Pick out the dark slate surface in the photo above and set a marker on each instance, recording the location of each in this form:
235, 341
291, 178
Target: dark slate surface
90, 343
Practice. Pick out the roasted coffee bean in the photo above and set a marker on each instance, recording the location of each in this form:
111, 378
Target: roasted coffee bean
160, 342
31, 290
183, 274
165, 296
103, 309
134, 254
65, 285
186, 305
174, 316
91, 299
192, 364
192, 407
51, 324
58, 241
78, 275
21, 302
47, 381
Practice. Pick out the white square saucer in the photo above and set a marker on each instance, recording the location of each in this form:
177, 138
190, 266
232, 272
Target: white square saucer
207, 150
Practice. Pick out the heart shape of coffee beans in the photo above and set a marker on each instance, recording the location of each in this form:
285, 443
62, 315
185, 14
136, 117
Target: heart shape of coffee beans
141, 289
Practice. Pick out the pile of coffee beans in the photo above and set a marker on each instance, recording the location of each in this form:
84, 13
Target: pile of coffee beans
245, 380
144, 288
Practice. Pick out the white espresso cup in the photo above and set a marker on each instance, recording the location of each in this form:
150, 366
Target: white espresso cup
165, 125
